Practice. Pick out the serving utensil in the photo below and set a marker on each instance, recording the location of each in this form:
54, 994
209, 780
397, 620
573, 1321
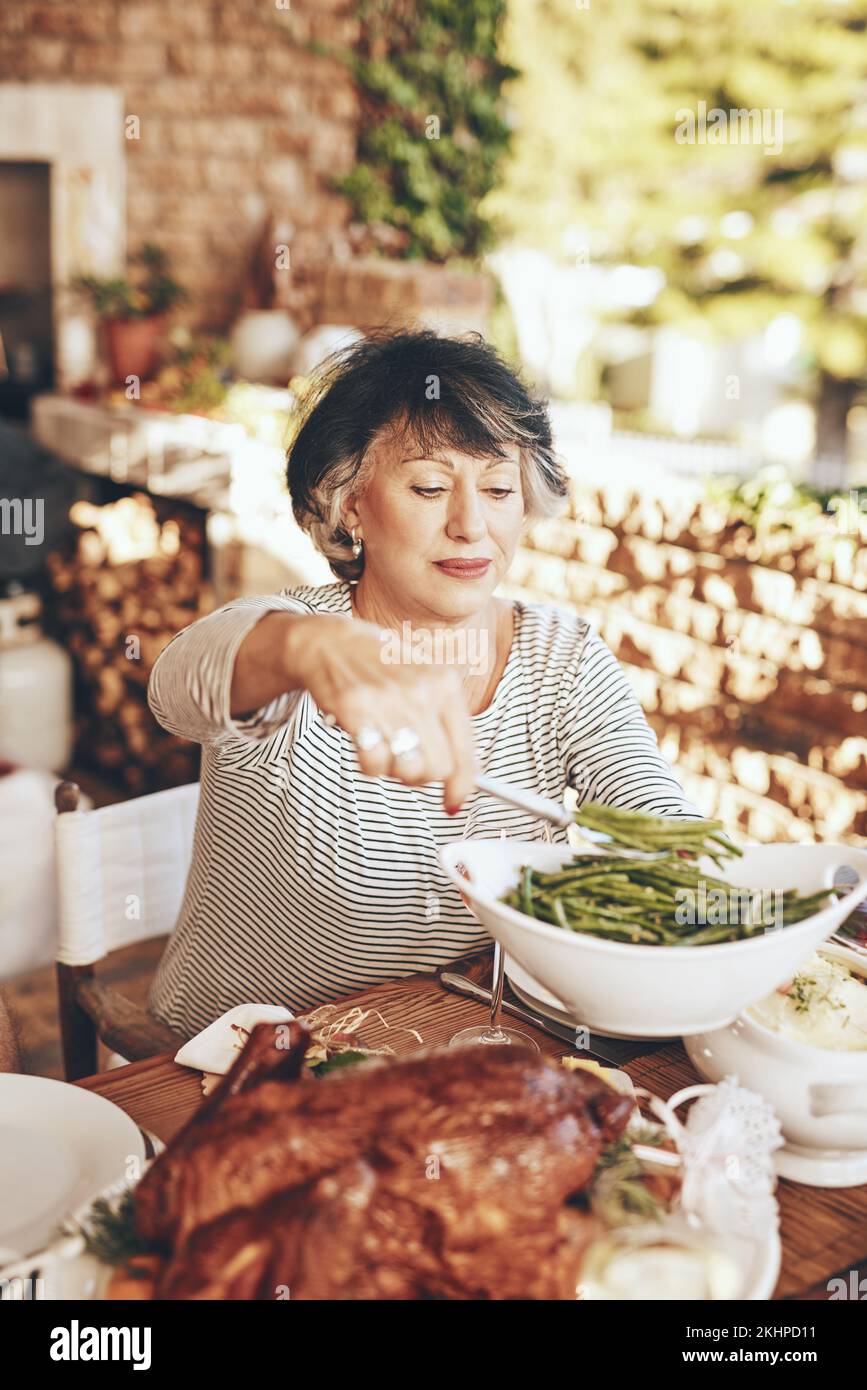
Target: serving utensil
846, 877
554, 813
542, 806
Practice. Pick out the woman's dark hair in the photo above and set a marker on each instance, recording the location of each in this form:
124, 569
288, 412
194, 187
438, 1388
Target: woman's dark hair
440, 393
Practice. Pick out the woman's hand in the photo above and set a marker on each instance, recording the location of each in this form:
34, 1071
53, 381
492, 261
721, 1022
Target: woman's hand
342, 663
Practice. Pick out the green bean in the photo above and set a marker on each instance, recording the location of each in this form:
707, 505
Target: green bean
620, 897
639, 830
528, 892
560, 913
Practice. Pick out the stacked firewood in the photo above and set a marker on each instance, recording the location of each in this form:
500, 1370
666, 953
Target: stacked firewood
745, 641
115, 615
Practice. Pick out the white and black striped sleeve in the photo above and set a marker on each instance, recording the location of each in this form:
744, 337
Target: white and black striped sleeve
190, 684
609, 750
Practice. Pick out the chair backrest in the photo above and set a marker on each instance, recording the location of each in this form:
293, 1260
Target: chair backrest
121, 872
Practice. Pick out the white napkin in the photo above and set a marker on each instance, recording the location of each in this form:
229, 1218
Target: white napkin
217, 1046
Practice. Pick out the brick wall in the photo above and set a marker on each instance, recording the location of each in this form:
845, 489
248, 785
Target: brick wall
237, 118
238, 121
748, 653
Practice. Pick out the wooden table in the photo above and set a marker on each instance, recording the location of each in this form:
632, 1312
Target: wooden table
824, 1231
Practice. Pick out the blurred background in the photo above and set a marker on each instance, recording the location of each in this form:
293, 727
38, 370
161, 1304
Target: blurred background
658, 211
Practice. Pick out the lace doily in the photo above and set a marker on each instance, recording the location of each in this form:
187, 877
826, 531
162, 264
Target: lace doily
726, 1147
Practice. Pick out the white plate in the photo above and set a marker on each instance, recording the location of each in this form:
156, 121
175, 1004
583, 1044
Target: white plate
534, 994
64, 1271
762, 1262
59, 1146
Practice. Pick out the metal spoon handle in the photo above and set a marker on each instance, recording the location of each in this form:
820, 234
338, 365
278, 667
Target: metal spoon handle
541, 806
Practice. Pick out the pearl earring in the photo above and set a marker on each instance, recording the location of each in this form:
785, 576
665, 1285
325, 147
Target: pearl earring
356, 544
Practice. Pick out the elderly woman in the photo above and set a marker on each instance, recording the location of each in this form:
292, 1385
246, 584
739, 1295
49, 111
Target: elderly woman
342, 725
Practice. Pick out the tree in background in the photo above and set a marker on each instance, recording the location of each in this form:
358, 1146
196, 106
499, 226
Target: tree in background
742, 231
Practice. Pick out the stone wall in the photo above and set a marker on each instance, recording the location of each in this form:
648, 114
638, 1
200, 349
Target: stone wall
241, 130
748, 652
237, 119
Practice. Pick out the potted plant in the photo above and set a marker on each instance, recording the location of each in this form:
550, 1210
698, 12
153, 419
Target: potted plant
133, 310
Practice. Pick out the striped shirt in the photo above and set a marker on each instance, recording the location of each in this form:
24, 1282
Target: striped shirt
309, 879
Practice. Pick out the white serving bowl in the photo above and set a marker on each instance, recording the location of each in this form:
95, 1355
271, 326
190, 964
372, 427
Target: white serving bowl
636, 991
820, 1096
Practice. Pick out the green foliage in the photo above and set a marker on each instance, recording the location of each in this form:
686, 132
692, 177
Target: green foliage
150, 290
770, 501
109, 1230
596, 163
502, 332
196, 380
619, 1194
432, 135
783, 515
338, 1061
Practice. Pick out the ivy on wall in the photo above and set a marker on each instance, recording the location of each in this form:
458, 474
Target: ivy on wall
433, 134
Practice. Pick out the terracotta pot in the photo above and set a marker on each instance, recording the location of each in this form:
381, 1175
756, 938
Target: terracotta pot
133, 346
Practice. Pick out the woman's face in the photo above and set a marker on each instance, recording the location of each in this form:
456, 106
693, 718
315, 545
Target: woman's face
439, 530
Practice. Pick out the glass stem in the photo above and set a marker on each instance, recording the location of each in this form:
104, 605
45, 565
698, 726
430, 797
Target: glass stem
497, 986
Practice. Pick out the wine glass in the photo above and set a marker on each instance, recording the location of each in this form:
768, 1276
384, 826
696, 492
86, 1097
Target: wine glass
493, 1034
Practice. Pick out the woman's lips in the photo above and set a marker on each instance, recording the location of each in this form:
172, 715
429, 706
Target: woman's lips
463, 569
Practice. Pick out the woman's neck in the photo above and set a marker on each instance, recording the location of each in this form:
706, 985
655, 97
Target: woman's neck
477, 645
375, 605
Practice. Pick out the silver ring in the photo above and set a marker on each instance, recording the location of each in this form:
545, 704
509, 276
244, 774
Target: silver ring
403, 742
368, 737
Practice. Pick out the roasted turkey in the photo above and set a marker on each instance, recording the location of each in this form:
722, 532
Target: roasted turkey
454, 1173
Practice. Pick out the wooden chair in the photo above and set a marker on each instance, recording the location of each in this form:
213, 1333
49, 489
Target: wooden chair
121, 874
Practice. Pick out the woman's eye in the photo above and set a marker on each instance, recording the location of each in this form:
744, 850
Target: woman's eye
498, 493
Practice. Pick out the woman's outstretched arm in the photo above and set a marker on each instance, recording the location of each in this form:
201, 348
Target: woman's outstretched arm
240, 672
229, 674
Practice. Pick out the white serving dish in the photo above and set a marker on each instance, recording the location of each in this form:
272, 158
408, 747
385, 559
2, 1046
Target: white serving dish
636, 991
819, 1095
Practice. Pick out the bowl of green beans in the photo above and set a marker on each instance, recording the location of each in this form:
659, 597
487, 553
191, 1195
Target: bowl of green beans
661, 927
